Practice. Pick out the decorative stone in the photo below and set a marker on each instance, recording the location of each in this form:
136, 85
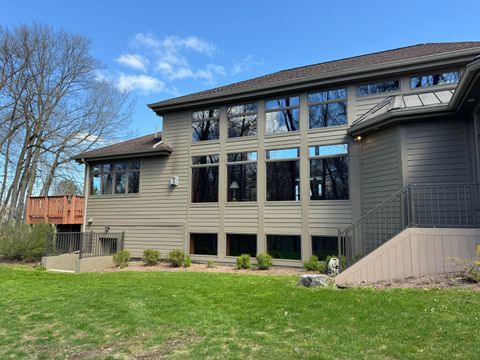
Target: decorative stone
315, 280
333, 266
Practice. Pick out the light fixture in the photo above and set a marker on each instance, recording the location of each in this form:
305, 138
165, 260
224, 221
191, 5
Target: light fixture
357, 138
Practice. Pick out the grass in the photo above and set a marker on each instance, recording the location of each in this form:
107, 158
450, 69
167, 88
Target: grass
207, 315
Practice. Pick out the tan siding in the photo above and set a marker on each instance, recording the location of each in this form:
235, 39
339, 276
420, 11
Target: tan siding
241, 219
328, 218
364, 104
283, 219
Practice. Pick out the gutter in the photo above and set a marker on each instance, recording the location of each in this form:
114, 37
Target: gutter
143, 154
365, 71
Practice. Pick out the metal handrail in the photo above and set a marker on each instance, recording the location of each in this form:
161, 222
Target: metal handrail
419, 205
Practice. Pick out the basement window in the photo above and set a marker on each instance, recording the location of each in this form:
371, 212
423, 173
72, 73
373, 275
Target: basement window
238, 244
203, 244
324, 246
284, 246
327, 108
205, 125
435, 79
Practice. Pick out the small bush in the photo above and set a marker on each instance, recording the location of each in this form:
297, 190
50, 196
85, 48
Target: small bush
244, 261
176, 258
25, 243
473, 269
322, 267
210, 264
188, 261
264, 261
121, 258
311, 264
151, 257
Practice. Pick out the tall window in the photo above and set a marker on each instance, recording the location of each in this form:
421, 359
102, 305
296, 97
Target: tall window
205, 178
329, 172
115, 178
282, 115
204, 244
283, 175
238, 244
284, 246
327, 108
205, 124
242, 176
377, 88
434, 79
242, 120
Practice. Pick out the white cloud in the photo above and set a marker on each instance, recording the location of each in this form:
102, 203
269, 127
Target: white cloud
133, 61
248, 63
142, 83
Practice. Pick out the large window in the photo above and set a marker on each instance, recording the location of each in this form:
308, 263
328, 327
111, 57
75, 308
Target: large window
284, 246
282, 115
115, 178
203, 244
434, 79
205, 178
242, 176
205, 124
323, 246
329, 172
238, 244
327, 108
242, 120
283, 175
377, 88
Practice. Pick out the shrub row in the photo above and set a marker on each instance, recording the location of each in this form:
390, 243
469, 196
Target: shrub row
176, 258
23, 242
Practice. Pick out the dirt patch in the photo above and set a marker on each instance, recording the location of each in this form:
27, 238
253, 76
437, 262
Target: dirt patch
165, 267
440, 281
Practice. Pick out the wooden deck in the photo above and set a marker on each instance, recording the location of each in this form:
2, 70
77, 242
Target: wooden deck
59, 210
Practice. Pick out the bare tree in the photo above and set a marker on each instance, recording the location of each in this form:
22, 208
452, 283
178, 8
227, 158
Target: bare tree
52, 106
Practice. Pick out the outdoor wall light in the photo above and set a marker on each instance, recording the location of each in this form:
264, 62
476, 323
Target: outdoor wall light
357, 138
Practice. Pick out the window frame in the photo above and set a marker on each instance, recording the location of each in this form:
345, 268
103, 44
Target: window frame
208, 164
267, 160
242, 162
319, 157
227, 233
327, 102
322, 236
244, 114
280, 109
191, 253
299, 237
379, 94
434, 72
113, 172
196, 121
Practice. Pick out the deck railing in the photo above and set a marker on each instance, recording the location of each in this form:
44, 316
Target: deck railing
420, 205
86, 244
55, 210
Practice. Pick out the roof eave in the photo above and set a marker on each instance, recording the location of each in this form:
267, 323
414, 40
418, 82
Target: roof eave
437, 60
134, 155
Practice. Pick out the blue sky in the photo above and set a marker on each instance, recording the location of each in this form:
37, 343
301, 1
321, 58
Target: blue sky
162, 49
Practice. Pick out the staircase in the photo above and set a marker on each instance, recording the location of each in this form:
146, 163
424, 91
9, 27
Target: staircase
440, 205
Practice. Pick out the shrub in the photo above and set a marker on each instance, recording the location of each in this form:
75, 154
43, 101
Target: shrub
121, 258
25, 243
264, 261
176, 258
151, 257
311, 264
210, 264
322, 267
188, 261
473, 270
244, 261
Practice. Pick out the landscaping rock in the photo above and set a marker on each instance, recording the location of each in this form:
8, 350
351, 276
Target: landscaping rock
315, 280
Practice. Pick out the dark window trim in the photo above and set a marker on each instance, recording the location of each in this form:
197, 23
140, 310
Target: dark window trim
114, 176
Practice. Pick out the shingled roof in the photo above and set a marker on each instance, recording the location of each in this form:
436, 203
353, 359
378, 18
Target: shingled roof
329, 68
147, 145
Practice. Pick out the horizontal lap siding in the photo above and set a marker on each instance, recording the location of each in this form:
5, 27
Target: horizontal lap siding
156, 217
327, 219
283, 219
204, 219
241, 219
436, 152
381, 167
364, 104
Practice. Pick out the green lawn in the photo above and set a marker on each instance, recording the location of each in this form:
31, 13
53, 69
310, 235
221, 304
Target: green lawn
198, 315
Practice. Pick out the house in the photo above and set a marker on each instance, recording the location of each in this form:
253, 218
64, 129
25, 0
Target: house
375, 157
